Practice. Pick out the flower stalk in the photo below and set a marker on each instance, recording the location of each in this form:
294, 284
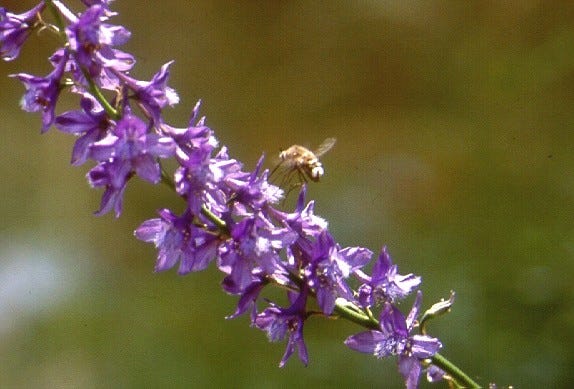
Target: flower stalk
232, 217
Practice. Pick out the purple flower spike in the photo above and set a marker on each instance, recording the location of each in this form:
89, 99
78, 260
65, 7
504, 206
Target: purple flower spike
278, 322
394, 339
42, 92
230, 216
15, 29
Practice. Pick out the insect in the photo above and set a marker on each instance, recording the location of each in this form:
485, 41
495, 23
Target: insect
303, 162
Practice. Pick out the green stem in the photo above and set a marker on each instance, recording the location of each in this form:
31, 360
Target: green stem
220, 224
357, 317
167, 180
458, 376
97, 93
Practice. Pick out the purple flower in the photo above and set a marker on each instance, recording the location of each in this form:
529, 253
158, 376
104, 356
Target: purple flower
385, 284
329, 268
179, 239
91, 39
126, 150
303, 220
252, 252
435, 374
42, 92
153, 95
15, 29
252, 190
196, 136
91, 123
248, 299
278, 322
131, 146
200, 178
114, 179
308, 227
394, 339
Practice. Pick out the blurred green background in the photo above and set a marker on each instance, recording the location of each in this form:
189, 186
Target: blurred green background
455, 149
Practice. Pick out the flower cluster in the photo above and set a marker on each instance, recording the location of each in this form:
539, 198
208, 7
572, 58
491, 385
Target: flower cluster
232, 217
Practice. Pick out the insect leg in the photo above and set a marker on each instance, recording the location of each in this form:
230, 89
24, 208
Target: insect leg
275, 169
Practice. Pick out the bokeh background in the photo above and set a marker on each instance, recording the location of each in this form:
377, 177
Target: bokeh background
455, 149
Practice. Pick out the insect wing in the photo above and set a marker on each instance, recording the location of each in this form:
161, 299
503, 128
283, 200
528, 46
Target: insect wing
325, 146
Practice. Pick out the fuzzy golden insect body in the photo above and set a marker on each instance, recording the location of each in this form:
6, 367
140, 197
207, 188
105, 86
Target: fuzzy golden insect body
304, 162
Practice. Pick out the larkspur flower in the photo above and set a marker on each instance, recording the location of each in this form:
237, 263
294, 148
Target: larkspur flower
329, 268
248, 298
153, 95
91, 41
306, 224
253, 248
42, 92
177, 238
15, 29
435, 374
130, 144
385, 284
197, 171
394, 339
195, 136
278, 322
200, 178
304, 220
253, 190
91, 124
127, 149
110, 176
